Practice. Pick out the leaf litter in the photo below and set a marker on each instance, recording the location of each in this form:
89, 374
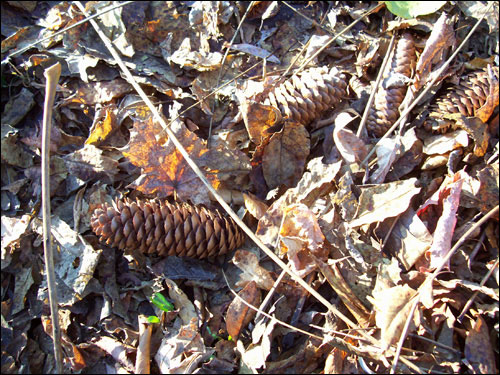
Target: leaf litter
364, 234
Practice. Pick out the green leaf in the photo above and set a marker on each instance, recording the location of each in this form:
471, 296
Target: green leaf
412, 9
161, 302
153, 319
213, 334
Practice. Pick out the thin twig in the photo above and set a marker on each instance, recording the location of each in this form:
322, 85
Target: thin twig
471, 299
52, 75
222, 68
439, 72
402, 338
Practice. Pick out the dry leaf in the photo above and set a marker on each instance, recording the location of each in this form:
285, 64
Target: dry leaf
284, 157
447, 197
248, 262
385, 200
442, 37
392, 307
254, 205
238, 313
478, 348
351, 147
301, 236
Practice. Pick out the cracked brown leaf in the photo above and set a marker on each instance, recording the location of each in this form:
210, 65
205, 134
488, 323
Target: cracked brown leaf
285, 155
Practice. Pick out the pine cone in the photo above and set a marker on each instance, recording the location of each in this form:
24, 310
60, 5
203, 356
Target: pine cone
303, 98
465, 98
385, 110
166, 229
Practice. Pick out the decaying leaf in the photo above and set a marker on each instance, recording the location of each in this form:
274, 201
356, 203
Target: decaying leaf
284, 157
350, 146
392, 307
165, 170
448, 197
382, 201
478, 349
249, 264
238, 313
441, 38
300, 237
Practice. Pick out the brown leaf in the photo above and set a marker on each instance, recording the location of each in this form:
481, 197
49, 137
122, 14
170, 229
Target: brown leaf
164, 170
392, 307
385, 200
488, 190
478, 348
351, 147
259, 120
105, 125
301, 236
89, 163
447, 197
254, 205
248, 262
313, 184
337, 282
410, 238
99, 92
284, 157
238, 313
442, 37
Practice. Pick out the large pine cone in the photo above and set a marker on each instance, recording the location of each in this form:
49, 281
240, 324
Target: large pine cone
166, 229
385, 110
465, 98
303, 98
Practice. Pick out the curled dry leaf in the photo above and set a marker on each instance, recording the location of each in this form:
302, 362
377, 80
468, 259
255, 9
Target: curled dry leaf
300, 237
409, 238
447, 197
350, 146
182, 349
314, 183
335, 279
259, 120
238, 313
386, 154
254, 205
441, 38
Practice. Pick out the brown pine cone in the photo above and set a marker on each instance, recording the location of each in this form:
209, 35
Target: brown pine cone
303, 98
158, 227
385, 110
465, 98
